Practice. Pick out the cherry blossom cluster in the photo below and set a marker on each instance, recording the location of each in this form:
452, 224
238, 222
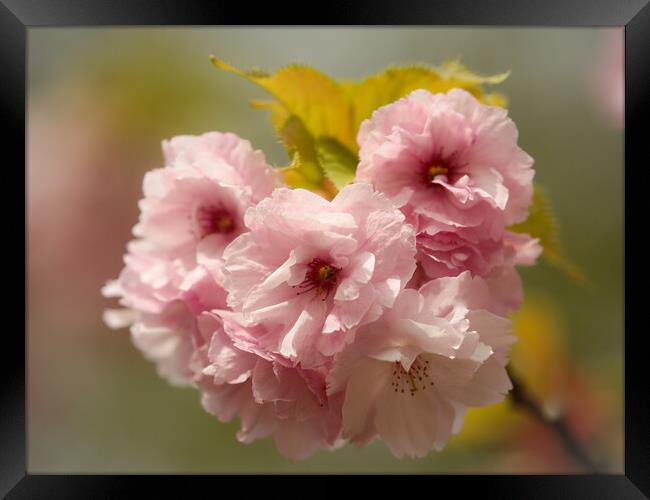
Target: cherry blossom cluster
381, 313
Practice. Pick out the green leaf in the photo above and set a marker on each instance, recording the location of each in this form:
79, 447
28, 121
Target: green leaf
542, 224
330, 108
454, 70
297, 175
313, 97
395, 83
318, 118
297, 140
305, 170
337, 161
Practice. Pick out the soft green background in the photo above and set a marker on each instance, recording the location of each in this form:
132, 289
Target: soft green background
100, 101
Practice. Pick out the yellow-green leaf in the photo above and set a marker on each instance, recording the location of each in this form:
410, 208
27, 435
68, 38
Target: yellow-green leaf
495, 99
279, 114
297, 140
296, 176
456, 71
313, 97
337, 161
309, 106
395, 83
305, 169
542, 224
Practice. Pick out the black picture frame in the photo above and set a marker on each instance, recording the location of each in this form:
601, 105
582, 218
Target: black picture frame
16, 16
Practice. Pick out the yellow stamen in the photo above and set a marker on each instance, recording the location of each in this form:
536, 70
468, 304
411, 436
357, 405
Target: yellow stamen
435, 170
326, 273
414, 387
224, 224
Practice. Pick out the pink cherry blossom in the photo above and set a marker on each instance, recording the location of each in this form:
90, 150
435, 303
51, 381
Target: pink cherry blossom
226, 158
379, 313
409, 377
270, 396
194, 207
191, 210
449, 254
160, 301
310, 270
448, 158
454, 168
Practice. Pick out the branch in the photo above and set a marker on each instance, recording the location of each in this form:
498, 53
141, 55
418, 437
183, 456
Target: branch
522, 398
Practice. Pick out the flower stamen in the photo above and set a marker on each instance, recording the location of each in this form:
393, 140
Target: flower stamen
211, 220
435, 170
321, 276
417, 378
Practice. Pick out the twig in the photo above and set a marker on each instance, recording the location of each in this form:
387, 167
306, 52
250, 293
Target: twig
522, 397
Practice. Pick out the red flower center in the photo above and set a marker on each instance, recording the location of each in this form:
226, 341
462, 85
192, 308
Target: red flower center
435, 170
439, 166
321, 276
211, 220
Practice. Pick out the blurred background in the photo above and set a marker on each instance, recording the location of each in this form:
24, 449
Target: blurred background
99, 103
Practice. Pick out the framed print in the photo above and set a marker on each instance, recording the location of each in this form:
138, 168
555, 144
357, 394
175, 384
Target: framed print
398, 244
